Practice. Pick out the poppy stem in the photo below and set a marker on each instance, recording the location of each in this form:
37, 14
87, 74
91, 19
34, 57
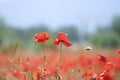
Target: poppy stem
60, 56
44, 58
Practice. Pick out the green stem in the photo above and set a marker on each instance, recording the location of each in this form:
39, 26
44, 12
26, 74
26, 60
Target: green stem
44, 58
60, 57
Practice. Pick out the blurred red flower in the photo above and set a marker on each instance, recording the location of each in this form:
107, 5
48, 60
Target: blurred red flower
109, 66
118, 51
102, 58
16, 74
105, 75
62, 37
41, 37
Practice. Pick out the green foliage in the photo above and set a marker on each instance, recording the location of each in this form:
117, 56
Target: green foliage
116, 24
106, 39
2, 24
108, 36
5, 33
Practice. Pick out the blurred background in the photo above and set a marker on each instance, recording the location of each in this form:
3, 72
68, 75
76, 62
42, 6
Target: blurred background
88, 22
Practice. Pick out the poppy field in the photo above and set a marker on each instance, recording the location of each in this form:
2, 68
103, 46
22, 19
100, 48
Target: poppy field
64, 63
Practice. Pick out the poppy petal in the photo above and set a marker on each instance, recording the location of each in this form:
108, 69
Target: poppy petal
67, 43
56, 42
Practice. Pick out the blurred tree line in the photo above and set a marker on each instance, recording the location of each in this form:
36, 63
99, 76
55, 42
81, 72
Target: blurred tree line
107, 36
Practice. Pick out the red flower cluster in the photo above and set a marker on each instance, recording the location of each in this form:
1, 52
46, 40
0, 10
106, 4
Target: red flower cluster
62, 37
74, 67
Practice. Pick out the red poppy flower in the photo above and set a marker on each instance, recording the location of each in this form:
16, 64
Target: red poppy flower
118, 51
62, 37
41, 37
102, 58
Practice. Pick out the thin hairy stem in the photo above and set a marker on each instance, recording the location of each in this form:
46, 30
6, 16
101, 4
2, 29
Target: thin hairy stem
60, 58
44, 57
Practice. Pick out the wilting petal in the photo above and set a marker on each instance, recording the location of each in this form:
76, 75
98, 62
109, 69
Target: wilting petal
102, 58
63, 38
67, 43
56, 42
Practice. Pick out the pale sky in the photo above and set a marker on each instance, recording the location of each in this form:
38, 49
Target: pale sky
58, 12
